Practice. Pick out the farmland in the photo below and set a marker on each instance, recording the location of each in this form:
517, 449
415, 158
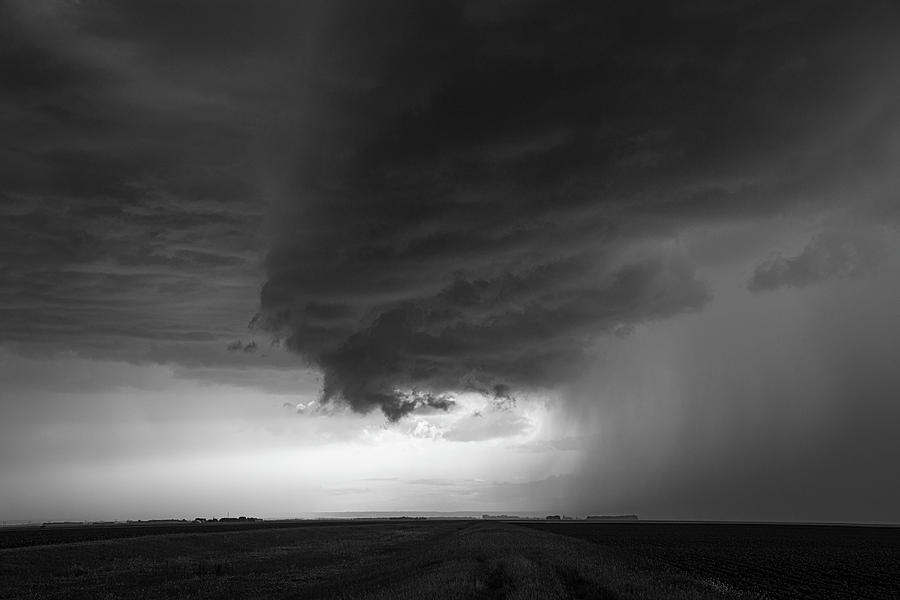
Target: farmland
448, 559
778, 561
17, 537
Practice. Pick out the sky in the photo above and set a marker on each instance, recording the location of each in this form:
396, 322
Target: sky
277, 258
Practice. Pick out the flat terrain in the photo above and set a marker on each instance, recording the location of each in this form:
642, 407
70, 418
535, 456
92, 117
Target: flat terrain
447, 559
777, 561
33, 535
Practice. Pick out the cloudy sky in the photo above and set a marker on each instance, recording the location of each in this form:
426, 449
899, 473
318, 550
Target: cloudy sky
275, 258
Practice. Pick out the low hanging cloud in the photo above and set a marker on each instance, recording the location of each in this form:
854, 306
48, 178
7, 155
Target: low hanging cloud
473, 334
471, 197
462, 195
831, 254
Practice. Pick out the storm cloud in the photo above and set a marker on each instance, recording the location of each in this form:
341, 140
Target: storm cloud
473, 195
450, 196
642, 255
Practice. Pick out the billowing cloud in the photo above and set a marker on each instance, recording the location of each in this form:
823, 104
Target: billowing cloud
529, 329
470, 197
462, 195
830, 254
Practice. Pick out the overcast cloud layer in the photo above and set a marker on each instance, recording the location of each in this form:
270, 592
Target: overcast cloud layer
415, 200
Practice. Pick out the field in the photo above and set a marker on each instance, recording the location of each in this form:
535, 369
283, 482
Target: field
450, 559
780, 562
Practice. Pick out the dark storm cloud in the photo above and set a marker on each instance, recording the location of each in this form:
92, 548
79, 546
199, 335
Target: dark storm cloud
129, 220
529, 329
829, 254
473, 192
466, 194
